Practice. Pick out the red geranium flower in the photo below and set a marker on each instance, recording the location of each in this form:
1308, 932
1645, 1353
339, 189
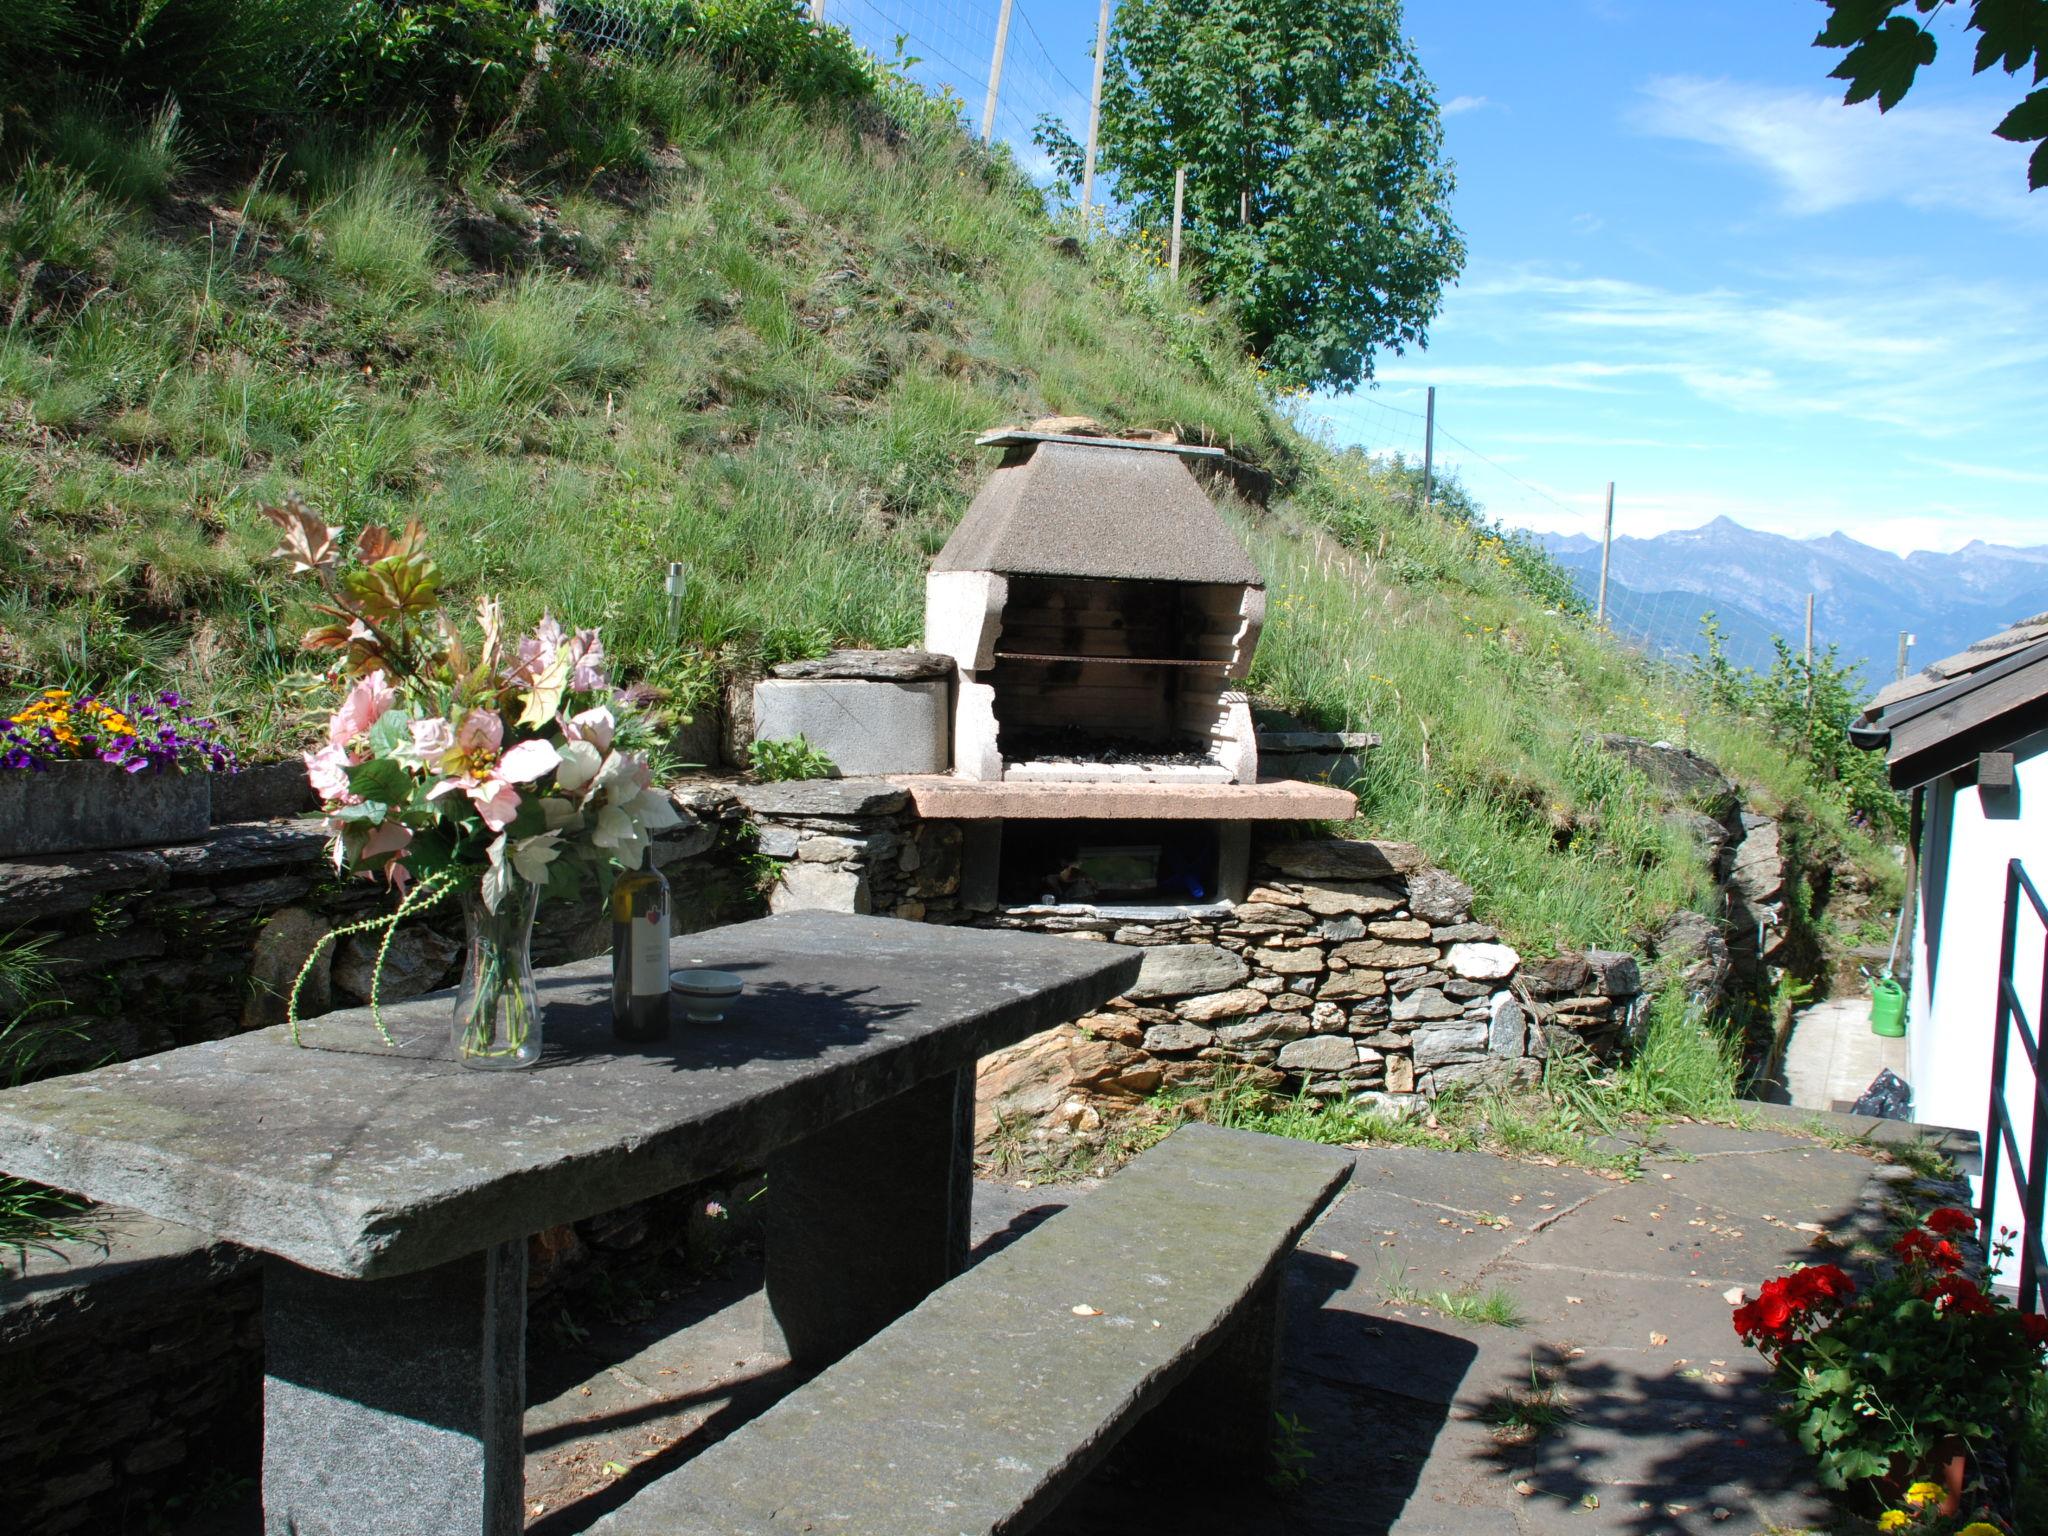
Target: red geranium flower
1948, 1221
1954, 1294
1821, 1282
2035, 1327
1937, 1253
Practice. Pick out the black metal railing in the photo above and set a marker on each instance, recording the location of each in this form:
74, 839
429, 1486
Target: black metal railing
2001, 1136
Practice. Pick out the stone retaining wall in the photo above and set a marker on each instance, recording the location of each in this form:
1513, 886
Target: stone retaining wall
1354, 967
155, 948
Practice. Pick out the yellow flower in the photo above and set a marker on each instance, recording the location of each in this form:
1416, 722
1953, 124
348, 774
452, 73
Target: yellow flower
1893, 1520
1924, 1493
1980, 1528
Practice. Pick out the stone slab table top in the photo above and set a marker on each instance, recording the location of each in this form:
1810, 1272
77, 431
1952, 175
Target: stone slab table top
941, 798
363, 1161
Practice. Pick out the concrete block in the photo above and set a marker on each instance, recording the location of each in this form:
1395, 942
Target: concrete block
864, 727
1251, 618
963, 613
976, 752
821, 888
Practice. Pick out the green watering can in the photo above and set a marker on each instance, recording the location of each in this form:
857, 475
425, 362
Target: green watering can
1887, 1008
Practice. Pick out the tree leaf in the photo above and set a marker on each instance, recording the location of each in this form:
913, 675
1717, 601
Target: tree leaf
1851, 21
2010, 33
2028, 120
2037, 168
1884, 64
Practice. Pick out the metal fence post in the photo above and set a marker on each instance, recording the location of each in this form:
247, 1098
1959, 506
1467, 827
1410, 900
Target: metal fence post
1180, 192
995, 72
1094, 120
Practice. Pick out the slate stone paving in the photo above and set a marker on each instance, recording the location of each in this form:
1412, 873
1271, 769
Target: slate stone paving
1621, 1284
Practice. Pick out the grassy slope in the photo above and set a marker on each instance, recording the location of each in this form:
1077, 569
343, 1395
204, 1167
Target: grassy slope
764, 352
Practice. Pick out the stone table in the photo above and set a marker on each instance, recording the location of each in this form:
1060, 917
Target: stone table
393, 1191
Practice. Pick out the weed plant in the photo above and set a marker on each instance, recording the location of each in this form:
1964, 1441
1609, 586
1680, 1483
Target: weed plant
31, 1215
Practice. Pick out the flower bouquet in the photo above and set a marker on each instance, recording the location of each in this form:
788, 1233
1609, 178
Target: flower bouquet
1892, 1386
81, 771
480, 765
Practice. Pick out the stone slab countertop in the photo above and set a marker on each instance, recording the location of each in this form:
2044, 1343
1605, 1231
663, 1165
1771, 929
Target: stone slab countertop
941, 798
363, 1161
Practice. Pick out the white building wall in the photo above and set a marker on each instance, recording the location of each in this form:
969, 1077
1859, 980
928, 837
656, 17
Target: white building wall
1968, 838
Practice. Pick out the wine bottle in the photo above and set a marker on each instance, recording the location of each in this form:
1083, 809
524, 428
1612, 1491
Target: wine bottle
640, 930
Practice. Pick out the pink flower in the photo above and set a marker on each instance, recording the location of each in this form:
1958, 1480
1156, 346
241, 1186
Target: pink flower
595, 726
485, 776
364, 706
327, 771
586, 662
432, 740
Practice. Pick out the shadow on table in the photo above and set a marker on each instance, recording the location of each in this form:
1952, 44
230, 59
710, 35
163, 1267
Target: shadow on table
775, 1021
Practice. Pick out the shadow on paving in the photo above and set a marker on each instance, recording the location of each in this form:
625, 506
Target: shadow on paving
1620, 1285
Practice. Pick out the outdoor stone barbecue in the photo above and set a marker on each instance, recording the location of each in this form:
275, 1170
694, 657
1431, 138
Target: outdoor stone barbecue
1089, 626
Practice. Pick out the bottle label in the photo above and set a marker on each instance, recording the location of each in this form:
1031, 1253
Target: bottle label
650, 952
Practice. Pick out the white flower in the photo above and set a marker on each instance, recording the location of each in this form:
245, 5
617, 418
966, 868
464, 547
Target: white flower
580, 762
531, 856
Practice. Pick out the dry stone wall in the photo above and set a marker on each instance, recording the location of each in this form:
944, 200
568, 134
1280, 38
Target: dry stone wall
154, 948
1353, 968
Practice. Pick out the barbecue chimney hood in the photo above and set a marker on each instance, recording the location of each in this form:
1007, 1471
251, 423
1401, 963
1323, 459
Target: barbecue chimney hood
1101, 616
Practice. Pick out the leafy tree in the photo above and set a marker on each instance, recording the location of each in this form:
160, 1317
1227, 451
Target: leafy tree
1808, 709
1318, 193
1886, 52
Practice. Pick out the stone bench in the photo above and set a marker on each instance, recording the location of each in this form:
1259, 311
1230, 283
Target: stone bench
979, 1409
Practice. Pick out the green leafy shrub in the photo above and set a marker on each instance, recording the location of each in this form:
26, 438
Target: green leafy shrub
223, 61
791, 758
755, 42
1808, 708
1879, 1375
455, 61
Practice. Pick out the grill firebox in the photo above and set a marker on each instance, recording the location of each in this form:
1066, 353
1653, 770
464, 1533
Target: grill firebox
1101, 616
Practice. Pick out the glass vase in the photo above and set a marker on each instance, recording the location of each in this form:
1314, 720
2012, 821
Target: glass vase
497, 1011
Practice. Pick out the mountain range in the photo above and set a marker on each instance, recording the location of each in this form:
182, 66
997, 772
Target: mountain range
1756, 586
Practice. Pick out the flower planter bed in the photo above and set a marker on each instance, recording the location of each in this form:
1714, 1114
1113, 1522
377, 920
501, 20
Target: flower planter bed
73, 806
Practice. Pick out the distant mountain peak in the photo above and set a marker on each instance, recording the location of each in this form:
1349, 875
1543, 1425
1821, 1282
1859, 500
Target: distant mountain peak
1759, 582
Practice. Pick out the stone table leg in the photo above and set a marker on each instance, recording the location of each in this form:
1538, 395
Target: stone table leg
868, 1217
394, 1407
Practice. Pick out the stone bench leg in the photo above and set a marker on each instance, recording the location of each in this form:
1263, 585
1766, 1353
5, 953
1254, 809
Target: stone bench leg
868, 1217
1221, 1416
394, 1407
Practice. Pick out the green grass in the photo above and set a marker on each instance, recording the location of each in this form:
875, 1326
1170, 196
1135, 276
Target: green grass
760, 341
31, 1216
1493, 1307
1548, 1127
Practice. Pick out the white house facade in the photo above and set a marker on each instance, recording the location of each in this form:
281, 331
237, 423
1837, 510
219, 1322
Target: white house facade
1968, 740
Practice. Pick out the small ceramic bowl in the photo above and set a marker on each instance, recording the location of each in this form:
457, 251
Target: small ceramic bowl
705, 994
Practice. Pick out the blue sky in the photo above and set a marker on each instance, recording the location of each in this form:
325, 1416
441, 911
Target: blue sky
1692, 270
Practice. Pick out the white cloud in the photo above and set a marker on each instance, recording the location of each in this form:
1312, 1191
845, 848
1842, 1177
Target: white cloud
1824, 156
1458, 105
1996, 472
1865, 345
